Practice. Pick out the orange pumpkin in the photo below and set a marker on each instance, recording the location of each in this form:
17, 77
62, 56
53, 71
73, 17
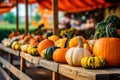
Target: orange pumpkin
59, 54
108, 48
34, 43
38, 38
43, 45
13, 34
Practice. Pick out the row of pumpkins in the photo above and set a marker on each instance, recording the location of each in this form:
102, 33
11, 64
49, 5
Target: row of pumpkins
76, 51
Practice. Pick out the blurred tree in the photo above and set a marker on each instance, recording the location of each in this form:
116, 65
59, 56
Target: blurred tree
9, 17
37, 17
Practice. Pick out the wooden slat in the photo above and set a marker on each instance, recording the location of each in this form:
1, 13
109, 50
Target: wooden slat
51, 65
9, 50
30, 58
6, 76
79, 73
14, 70
22, 64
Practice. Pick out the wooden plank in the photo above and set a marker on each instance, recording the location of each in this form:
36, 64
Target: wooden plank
79, 73
11, 62
55, 76
0, 52
26, 18
14, 70
22, 64
55, 17
9, 50
6, 76
30, 58
51, 65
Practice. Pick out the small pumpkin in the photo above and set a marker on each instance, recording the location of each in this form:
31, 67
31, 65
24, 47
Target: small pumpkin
75, 54
92, 62
74, 41
59, 54
108, 48
34, 42
54, 38
38, 38
49, 52
43, 45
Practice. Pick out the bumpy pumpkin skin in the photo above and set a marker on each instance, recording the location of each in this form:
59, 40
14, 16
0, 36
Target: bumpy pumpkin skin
59, 55
109, 49
49, 52
75, 54
92, 62
44, 44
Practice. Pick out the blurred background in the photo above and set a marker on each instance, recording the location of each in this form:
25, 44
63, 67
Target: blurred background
77, 14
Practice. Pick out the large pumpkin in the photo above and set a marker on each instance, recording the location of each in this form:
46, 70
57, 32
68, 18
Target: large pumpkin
109, 49
43, 45
75, 54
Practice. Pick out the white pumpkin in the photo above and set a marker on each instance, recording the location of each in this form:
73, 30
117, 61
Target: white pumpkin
75, 54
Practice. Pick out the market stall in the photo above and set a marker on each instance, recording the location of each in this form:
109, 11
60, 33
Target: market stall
55, 54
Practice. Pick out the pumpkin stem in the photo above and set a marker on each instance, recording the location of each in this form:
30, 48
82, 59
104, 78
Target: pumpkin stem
66, 43
108, 30
95, 36
80, 43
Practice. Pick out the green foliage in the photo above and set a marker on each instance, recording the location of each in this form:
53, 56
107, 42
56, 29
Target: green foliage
101, 28
6, 29
37, 17
9, 17
114, 20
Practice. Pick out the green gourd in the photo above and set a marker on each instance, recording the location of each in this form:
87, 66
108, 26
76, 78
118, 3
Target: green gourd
49, 52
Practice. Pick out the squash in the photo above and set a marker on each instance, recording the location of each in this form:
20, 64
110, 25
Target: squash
13, 44
49, 52
92, 62
32, 50
16, 45
74, 41
54, 38
75, 54
108, 48
60, 43
24, 47
59, 54
43, 45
